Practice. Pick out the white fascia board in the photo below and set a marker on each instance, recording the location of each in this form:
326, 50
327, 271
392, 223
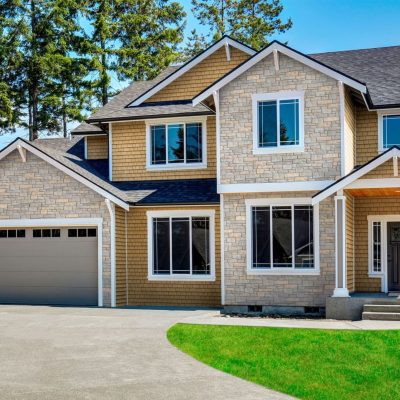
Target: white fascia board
375, 183
344, 183
64, 169
288, 52
273, 187
224, 42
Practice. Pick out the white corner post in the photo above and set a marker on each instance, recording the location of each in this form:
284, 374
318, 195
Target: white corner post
111, 210
340, 247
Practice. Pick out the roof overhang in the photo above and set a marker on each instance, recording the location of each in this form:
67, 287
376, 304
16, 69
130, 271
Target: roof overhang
274, 48
19, 144
348, 179
224, 41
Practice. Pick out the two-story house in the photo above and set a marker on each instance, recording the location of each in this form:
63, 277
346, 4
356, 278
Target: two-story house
254, 180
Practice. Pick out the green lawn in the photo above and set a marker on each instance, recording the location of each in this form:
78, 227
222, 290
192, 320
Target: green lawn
305, 363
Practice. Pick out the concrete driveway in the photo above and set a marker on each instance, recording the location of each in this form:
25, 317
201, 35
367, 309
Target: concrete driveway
88, 353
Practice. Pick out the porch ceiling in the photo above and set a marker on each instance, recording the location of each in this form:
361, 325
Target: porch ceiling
375, 192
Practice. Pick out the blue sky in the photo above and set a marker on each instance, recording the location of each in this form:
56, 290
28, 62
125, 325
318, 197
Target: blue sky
325, 25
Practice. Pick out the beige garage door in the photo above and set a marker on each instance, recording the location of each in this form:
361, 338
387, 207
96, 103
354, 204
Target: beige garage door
49, 265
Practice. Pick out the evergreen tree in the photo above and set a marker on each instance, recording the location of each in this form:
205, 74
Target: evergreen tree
249, 21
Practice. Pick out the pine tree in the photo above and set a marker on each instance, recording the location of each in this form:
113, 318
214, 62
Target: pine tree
249, 21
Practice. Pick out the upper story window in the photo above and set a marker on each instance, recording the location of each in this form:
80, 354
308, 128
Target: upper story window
278, 122
176, 144
389, 128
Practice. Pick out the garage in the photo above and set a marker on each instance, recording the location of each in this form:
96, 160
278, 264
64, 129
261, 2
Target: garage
49, 265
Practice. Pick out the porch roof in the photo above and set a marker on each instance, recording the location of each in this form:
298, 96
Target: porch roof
347, 180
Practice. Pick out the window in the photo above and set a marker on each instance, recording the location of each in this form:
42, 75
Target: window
281, 237
82, 232
181, 245
46, 233
390, 127
12, 233
376, 247
176, 144
277, 122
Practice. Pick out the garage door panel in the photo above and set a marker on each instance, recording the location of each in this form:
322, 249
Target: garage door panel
58, 270
49, 296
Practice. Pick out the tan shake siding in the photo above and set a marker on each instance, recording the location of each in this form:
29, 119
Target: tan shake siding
350, 241
129, 154
277, 290
321, 158
201, 76
141, 291
97, 147
366, 135
365, 206
36, 189
120, 256
349, 131
384, 170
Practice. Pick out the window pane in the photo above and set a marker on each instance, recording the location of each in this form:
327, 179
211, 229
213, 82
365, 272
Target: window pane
261, 237
82, 233
391, 130
289, 122
303, 237
71, 233
55, 233
92, 232
376, 243
267, 121
37, 233
21, 233
176, 143
158, 145
193, 142
12, 233
201, 246
180, 246
161, 259
46, 233
282, 237
3, 233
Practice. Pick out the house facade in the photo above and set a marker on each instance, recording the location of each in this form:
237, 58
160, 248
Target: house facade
262, 181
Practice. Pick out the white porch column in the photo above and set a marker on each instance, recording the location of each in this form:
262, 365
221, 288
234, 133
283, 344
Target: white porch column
340, 247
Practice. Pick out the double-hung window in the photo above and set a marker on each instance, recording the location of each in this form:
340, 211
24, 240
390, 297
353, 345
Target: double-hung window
177, 144
181, 245
389, 130
278, 122
280, 237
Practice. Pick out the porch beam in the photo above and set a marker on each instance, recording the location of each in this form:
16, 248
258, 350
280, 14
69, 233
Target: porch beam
340, 248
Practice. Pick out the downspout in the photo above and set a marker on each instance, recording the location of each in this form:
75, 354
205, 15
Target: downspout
111, 210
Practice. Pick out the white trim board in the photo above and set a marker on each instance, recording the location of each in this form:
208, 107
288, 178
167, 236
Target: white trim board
173, 214
185, 68
288, 52
273, 187
45, 222
39, 153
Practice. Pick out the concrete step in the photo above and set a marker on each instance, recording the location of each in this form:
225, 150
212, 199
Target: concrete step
380, 316
383, 308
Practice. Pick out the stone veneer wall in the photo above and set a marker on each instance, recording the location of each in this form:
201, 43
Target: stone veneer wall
300, 290
321, 157
36, 189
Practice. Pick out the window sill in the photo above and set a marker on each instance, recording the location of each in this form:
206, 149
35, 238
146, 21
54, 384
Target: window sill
175, 167
278, 150
284, 272
375, 274
181, 278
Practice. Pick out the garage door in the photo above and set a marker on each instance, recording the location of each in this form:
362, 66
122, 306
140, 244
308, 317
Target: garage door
51, 265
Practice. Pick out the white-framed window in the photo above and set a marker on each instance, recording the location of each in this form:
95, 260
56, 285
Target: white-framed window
181, 245
278, 122
282, 236
178, 143
389, 129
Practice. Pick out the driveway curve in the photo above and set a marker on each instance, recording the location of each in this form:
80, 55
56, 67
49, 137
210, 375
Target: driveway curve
89, 353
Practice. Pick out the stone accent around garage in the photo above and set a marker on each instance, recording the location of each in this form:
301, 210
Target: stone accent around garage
321, 158
36, 189
275, 290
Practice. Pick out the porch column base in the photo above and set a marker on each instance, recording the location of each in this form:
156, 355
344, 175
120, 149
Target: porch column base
341, 292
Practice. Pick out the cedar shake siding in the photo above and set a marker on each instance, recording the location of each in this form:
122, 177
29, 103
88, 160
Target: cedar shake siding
133, 286
366, 135
129, 154
200, 76
97, 147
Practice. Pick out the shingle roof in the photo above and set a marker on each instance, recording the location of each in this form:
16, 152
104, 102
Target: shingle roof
181, 191
379, 68
85, 129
